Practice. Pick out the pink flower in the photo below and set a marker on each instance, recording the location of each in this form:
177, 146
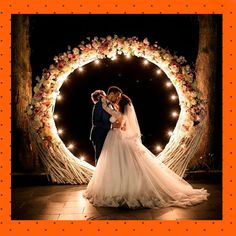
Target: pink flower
145, 41
89, 46
61, 64
179, 76
82, 47
39, 95
38, 111
46, 103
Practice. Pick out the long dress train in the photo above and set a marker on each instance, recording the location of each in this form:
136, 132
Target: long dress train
128, 174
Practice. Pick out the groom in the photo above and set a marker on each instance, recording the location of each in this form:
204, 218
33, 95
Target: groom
100, 118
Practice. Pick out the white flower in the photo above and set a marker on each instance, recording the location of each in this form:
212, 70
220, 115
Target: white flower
75, 51
36, 89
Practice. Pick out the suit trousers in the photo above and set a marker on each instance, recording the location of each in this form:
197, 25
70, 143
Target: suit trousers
98, 144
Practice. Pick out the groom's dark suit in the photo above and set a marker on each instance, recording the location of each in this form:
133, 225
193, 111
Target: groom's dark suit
100, 127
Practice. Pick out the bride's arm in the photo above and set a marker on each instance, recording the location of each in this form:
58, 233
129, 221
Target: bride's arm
112, 112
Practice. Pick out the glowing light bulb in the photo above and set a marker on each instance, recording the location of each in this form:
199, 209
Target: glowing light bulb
170, 132
174, 114
114, 58
158, 148
81, 69
97, 61
55, 116
173, 97
168, 84
159, 72
145, 62
71, 146
128, 56
59, 97
60, 131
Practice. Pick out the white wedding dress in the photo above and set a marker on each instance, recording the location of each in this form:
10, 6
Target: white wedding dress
128, 174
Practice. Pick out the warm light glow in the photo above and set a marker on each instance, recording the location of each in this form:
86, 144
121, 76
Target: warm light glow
60, 131
159, 72
81, 69
55, 116
174, 114
114, 58
82, 158
128, 56
97, 61
173, 97
168, 84
170, 132
59, 97
71, 146
145, 62
158, 148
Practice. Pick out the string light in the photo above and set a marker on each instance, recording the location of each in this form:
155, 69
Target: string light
173, 97
114, 58
174, 114
59, 97
146, 62
71, 146
60, 131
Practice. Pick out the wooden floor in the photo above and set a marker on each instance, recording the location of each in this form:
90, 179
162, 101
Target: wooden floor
65, 202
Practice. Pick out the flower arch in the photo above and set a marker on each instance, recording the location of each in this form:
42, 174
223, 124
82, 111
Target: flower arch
61, 164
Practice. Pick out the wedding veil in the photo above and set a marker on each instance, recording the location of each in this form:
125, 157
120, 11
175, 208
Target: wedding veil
132, 127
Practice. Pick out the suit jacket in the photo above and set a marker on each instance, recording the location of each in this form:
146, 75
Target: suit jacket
100, 121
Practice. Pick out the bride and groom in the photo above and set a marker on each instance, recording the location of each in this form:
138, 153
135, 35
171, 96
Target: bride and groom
127, 174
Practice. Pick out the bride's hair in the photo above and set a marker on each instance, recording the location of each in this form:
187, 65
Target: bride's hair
125, 100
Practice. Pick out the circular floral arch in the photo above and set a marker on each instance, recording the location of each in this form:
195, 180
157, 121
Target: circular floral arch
61, 164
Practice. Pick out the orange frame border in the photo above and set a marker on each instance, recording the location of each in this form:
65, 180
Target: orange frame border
109, 227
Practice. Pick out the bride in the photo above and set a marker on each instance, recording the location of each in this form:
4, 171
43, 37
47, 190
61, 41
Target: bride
128, 174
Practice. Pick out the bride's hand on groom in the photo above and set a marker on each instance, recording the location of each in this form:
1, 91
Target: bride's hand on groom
116, 125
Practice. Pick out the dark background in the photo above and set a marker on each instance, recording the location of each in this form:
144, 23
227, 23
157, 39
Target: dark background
51, 34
